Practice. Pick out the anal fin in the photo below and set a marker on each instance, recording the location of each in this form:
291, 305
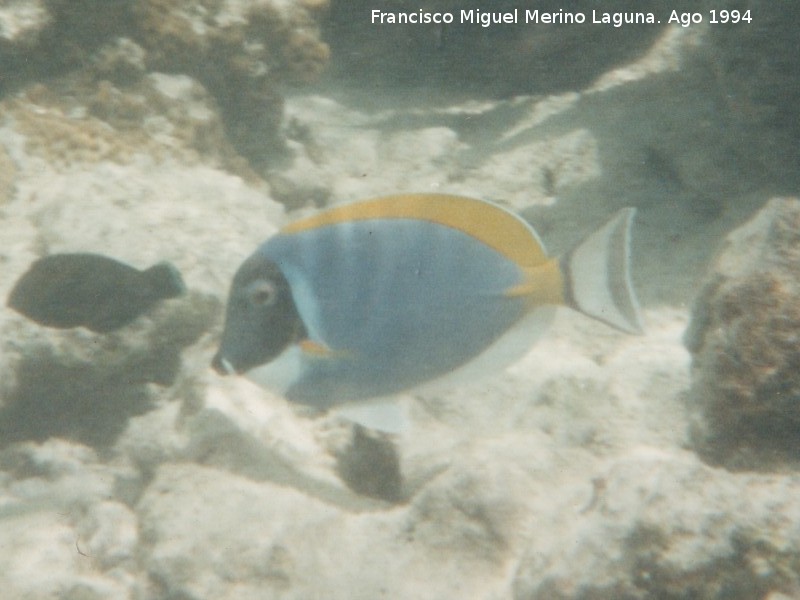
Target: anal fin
388, 415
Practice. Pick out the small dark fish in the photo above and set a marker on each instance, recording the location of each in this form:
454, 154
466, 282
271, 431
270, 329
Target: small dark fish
90, 290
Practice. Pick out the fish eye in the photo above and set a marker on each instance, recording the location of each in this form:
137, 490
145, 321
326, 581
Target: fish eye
263, 293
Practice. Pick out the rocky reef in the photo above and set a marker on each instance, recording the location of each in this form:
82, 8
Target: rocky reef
239, 53
744, 333
242, 52
84, 387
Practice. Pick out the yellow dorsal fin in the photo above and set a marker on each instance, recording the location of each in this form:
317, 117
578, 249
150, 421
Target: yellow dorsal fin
496, 227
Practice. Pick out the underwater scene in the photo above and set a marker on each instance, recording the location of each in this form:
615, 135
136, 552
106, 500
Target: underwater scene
358, 300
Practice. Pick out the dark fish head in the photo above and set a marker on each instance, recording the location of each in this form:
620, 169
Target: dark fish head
261, 319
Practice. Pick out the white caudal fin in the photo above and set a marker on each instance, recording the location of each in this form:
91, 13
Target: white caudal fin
597, 275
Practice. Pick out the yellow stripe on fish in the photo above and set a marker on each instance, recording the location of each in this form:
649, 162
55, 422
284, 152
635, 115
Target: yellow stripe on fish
497, 228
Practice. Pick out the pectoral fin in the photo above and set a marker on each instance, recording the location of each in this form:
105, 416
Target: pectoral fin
313, 349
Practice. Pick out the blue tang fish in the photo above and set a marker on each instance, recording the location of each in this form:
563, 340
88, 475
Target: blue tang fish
369, 299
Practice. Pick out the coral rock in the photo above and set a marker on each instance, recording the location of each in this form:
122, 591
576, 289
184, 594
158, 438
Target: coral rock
745, 394
21, 23
666, 526
241, 51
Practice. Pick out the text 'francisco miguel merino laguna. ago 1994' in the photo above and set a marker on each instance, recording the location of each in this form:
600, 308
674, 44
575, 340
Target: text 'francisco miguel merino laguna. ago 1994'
560, 17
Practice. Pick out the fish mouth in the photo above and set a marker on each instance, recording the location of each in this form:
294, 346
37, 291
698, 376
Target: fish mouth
223, 366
